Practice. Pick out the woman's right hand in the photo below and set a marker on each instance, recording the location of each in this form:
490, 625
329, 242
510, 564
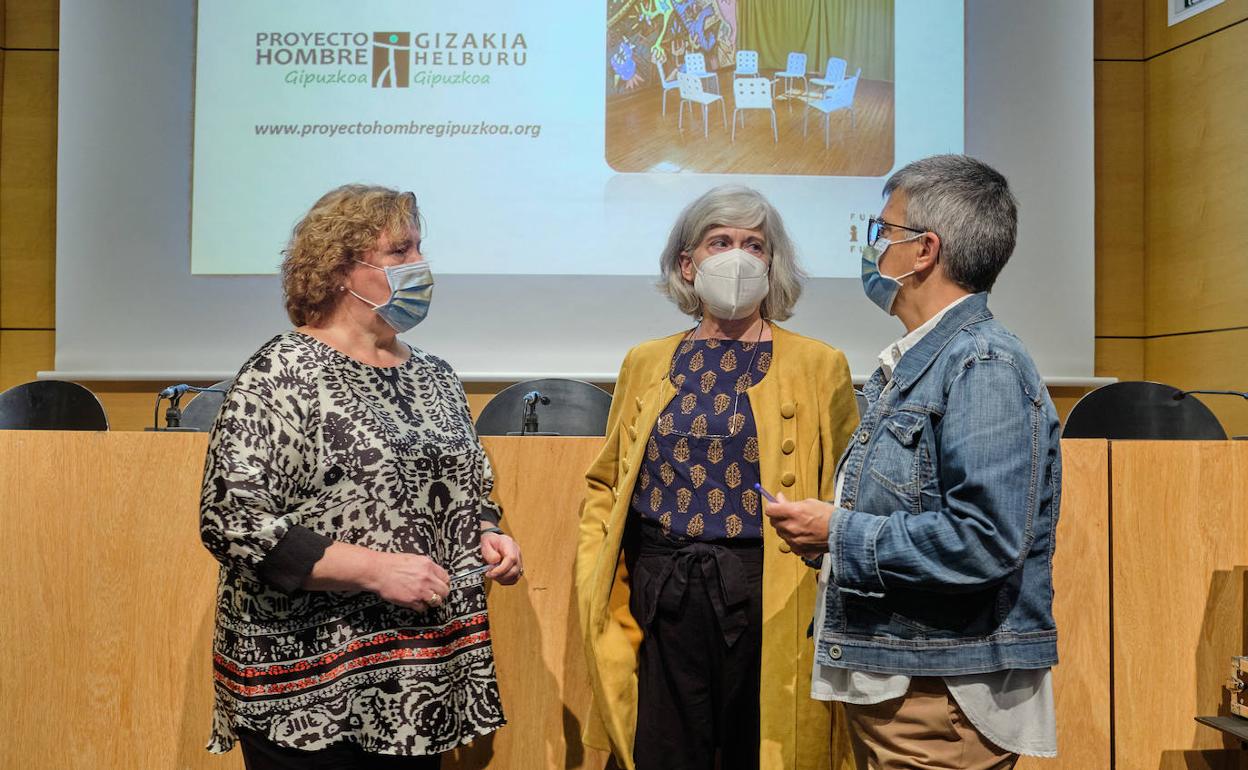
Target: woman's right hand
409, 580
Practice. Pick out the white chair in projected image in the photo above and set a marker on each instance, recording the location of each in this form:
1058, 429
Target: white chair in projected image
668, 85
840, 97
691, 93
695, 64
794, 69
752, 94
833, 74
747, 65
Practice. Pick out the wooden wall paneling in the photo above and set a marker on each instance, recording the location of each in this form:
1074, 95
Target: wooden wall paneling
1119, 110
31, 23
536, 630
1160, 37
1180, 540
22, 353
1081, 680
1212, 361
1118, 29
110, 601
1197, 134
1121, 358
27, 196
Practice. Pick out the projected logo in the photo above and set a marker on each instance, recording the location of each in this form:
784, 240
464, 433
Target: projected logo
858, 233
392, 59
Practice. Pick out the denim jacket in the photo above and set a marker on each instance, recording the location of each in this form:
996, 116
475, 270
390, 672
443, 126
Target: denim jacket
942, 545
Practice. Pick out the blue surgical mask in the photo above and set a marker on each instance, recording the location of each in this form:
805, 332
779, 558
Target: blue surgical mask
411, 289
879, 288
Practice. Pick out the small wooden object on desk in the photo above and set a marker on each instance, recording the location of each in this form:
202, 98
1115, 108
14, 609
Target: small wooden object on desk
1237, 724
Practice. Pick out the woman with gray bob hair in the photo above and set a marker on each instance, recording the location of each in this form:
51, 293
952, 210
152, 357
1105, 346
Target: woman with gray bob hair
741, 207
704, 424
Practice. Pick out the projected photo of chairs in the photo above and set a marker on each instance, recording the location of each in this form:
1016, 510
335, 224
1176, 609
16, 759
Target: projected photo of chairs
668, 85
691, 93
747, 65
794, 69
752, 94
833, 74
699, 50
695, 65
839, 96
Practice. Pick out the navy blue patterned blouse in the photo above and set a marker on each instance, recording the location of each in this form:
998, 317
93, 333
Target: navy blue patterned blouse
701, 464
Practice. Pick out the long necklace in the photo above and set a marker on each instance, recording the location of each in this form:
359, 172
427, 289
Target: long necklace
734, 425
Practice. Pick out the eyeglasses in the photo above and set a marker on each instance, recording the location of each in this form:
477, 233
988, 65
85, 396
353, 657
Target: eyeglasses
737, 420
875, 228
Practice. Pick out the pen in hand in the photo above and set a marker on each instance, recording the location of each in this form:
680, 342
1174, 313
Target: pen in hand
815, 562
470, 572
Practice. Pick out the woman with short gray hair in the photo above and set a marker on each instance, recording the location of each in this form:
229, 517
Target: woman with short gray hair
681, 588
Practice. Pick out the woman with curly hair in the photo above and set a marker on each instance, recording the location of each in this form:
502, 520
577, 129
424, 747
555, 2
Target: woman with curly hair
347, 498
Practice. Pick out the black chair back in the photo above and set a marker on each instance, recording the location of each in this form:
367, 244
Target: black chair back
51, 405
1142, 410
200, 413
576, 408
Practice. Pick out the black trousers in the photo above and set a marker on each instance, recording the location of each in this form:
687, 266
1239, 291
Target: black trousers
259, 753
700, 608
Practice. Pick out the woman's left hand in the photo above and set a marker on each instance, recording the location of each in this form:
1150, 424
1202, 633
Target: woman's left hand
504, 554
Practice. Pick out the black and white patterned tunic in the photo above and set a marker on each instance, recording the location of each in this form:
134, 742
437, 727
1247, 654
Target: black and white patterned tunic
312, 446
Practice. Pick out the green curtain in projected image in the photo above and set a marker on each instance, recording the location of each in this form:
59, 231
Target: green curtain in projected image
858, 31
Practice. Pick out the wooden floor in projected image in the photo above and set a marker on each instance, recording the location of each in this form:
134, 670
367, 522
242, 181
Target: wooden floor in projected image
640, 138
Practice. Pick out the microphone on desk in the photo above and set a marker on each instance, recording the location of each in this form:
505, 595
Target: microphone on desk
531, 400
174, 393
1182, 394
533, 396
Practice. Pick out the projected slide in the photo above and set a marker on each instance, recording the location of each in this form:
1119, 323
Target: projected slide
563, 137
722, 61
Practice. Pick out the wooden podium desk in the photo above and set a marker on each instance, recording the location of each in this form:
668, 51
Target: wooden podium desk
108, 601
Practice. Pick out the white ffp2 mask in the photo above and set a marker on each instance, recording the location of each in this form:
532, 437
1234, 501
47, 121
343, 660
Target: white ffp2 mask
731, 284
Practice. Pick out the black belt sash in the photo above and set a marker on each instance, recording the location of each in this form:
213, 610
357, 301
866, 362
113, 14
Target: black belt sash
722, 568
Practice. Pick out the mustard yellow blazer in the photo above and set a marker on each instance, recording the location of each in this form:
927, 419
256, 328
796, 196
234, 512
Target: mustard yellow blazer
804, 411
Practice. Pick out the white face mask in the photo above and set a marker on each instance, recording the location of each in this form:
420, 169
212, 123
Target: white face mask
731, 284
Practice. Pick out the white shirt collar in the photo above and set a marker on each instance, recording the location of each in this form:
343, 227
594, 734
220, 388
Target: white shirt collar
891, 355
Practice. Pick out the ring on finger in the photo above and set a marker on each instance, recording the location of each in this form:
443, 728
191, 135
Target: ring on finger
434, 599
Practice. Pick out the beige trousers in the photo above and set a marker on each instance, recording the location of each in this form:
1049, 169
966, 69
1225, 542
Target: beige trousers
925, 730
